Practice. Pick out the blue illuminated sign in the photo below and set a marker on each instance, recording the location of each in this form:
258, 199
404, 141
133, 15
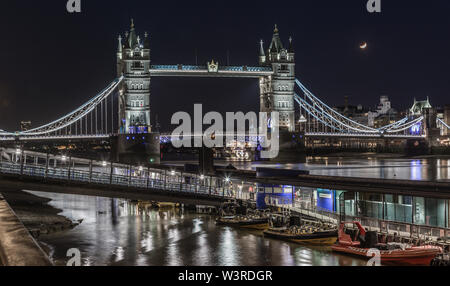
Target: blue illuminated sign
326, 199
415, 129
274, 194
264, 200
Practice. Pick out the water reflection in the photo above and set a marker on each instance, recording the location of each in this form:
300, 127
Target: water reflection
416, 169
118, 232
430, 169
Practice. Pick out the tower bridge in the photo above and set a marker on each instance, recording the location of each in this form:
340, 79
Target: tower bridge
121, 111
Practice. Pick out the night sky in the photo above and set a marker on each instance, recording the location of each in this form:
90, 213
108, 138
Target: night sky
52, 61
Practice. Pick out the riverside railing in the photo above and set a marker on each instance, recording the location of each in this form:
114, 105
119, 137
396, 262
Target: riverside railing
103, 173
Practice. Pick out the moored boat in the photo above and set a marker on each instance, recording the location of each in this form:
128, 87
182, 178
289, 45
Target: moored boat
301, 231
167, 205
308, 237
259, 223
365, 245
232, 214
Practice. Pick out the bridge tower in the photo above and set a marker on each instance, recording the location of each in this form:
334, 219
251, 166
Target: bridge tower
133, 61
432, 131
136, 140
446, 119
277, 91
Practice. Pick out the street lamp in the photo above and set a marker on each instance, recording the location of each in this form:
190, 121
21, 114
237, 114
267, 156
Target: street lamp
104, 164
63, 158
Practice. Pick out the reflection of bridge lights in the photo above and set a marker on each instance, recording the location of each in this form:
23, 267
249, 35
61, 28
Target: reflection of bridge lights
416, 170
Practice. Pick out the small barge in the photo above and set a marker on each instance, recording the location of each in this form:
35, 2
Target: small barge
232, 214
301, 231
259, 223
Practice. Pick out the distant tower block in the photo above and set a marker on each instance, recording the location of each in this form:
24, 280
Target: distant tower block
277, 91
136, 142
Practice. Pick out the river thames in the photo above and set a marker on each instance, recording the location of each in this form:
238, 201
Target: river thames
118, 232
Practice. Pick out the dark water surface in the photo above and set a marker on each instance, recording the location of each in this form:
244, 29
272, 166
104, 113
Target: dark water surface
117, 232
429, 169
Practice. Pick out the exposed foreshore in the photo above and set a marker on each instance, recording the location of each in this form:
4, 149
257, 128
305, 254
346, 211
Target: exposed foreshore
17, 246
36, 214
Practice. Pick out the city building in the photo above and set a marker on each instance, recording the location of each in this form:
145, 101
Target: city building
25, 125
384, 110
383, 115
385, 105
391, 116
358, 113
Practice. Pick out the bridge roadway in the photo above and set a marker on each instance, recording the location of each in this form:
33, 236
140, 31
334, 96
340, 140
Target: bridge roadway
168, 137
57, 138
54, 173
204, 71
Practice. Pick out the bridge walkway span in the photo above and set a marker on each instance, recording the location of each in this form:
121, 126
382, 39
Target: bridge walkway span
55, 173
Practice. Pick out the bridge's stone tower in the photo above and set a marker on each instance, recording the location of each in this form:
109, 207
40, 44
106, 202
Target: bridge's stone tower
133, 61
446, 119
277, 91
136, 142
431, 130
430, 127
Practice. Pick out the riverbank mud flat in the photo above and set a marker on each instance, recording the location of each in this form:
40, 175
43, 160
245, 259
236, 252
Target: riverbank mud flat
36, 214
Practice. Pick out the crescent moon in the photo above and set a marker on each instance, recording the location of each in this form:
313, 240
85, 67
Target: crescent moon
363, 46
